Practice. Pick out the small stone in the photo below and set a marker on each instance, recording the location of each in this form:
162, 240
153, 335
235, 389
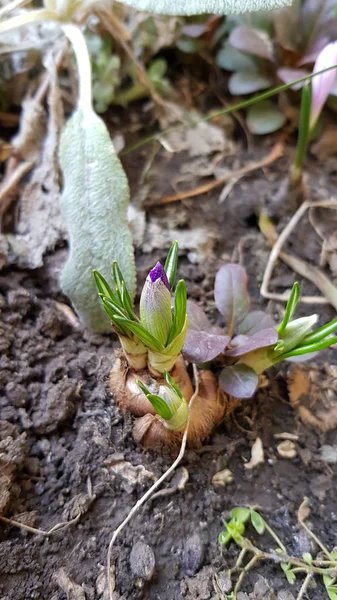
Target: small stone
329, 454
285, 595
193, 554
142, 561
224, 582
222, 478
287, 449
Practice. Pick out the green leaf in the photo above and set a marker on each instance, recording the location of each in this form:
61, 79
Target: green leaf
290, 575
160, 406
242, 83
103, 287
122, 290
231, 59
171, 264
265, 117
257, 522
179, 314
240, 514
332, 593
304, 126
301, 350
196, 7
320, 333
307, 558
94, 205
328, 581
172, 384
146, 338
224, 538
290, 308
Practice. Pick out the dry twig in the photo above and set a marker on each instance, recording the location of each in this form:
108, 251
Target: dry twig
57, 527
274, 154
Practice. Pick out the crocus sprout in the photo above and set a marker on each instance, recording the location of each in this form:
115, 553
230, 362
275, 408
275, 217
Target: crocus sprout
157, 337
169, 403
323, 83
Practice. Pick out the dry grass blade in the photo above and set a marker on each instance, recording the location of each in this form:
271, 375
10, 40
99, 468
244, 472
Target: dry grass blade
152, 489
311, 273
57, 527
276, 152
10, 184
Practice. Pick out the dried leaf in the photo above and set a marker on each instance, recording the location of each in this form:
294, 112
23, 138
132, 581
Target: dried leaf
94, 204
239, 381
257, 456
231, 295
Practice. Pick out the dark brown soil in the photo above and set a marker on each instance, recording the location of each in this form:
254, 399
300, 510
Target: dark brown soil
66, 449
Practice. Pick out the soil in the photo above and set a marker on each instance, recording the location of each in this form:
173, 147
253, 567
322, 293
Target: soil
66, 450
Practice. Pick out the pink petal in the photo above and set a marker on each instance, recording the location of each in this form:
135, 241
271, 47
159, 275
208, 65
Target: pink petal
322, 84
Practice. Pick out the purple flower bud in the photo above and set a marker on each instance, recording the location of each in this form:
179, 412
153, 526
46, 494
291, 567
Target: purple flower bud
155, 304
322, 84
158, 272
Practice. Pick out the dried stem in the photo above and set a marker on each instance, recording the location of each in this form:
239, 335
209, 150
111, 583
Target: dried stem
56, 527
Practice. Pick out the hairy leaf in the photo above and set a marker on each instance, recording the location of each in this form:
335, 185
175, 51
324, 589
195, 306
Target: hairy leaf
255, 321
239, 381
231, 295
94, 205
195, 7
201, 346
245, 344
254, 41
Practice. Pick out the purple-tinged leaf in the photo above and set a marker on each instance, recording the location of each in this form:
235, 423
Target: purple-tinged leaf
201, 346
243, 82
243, 344
255, 321
288, 75
197, 318
231, 295
194, 30
254, 41
239, 381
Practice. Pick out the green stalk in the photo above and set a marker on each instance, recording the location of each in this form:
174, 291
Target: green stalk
321, 333
303, 134
309, 348
226, 111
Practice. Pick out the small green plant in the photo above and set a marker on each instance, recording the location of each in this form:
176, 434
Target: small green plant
323, 565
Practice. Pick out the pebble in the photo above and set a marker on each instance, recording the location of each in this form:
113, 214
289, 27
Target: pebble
142, 561
193, 554
287, 449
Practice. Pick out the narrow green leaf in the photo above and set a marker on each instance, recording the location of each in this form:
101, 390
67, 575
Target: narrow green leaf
172, 383
113, 306
240, 514
160, 407
304, 129
257, 522
111, 312
143, 388
321, 333
121, 289
171, 264
301, 350
179, 312
291, 305
332, 593
94, 205
103, 286
140, 333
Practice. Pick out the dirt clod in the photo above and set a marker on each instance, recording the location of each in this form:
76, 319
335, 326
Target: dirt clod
142, 561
